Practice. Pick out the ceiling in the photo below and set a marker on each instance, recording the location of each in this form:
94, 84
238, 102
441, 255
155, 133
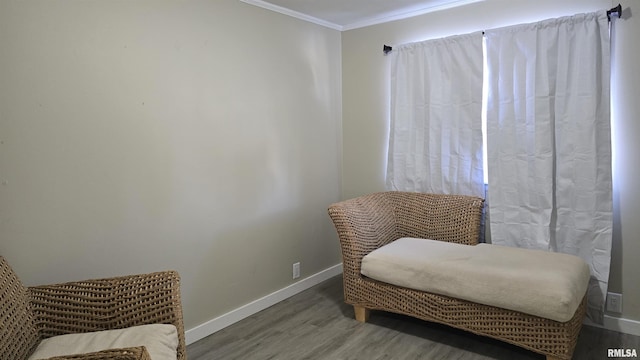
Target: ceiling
351, 14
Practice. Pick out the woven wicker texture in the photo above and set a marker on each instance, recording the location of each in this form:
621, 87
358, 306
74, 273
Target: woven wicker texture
368, 222
18, 332
85, 306
136, 353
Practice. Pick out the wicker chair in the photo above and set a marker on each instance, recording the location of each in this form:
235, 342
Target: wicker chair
29, 315
371, 221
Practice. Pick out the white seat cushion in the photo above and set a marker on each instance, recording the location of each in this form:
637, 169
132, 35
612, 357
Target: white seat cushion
160, 340
540, 283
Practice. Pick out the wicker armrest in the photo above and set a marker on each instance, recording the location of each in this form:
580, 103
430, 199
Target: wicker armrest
112, 303
363, 225
135, 353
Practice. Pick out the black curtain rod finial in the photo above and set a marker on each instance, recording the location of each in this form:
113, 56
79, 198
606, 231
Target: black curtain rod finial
386, 49
617, 10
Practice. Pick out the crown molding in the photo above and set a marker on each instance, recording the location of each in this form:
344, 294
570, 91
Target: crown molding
388, 17
400, 15
292, 13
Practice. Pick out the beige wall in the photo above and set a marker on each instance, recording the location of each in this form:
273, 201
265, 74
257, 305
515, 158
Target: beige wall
366, 107
137, 136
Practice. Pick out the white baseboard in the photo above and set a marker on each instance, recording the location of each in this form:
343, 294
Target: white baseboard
627, 326
222, 321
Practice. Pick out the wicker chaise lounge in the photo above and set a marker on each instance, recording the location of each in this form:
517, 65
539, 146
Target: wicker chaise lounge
369, 222
30, 316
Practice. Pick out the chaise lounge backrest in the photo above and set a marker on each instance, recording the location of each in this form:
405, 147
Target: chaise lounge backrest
371, 221
18, 331
451, 218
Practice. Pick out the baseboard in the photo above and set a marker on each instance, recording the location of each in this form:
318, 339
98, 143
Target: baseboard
627, 326
222, 321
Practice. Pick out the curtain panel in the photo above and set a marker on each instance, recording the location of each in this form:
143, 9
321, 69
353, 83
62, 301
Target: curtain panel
549, 141
435, 141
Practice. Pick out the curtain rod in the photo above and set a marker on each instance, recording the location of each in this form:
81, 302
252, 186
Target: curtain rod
386, 49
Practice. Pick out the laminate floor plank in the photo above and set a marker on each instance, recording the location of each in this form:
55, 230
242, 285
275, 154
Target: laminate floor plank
316, 325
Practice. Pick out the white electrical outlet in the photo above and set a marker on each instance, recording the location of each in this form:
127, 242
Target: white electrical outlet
614, 302
296, 270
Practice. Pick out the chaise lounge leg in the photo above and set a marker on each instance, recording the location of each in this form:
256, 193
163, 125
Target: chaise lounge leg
551, 357
362, 313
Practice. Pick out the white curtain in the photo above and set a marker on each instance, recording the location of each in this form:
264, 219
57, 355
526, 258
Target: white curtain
435, 142
549, 141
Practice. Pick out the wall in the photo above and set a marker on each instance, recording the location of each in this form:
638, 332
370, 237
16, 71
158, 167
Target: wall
366, 109
137, 136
